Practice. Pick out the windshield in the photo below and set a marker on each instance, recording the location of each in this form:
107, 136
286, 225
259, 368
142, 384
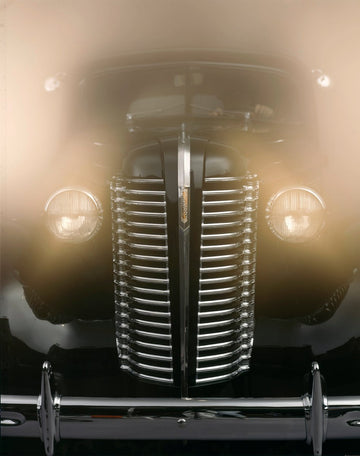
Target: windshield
191, 92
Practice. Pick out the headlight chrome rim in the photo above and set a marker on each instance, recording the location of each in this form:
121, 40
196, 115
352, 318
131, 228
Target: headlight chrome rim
274, 198
94, 200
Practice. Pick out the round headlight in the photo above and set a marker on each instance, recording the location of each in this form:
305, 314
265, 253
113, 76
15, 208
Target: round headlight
296, 214
73, 215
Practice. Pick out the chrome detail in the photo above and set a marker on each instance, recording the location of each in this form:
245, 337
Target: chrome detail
224, 192
354, 423
142, 203
93, 198
229, 267
224, 179
312, 417
316, 412
147, 235
9, 422
152, 302
141, 278
135, 180
276, 195
76, 189
137, 191
227, 277
47, 410
184, 247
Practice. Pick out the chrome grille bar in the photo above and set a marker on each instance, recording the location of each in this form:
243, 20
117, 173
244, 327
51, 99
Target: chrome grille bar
227, 277
141, 278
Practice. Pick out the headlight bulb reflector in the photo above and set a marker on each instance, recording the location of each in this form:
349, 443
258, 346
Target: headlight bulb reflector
73, 215
296, 214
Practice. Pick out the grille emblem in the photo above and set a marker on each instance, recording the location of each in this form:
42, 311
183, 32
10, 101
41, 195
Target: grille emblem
184, 179
184, 206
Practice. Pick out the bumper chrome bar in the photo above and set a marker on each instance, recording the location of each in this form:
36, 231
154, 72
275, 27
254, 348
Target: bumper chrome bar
50, 417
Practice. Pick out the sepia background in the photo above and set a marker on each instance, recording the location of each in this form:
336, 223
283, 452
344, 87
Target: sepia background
44, 37
40, 38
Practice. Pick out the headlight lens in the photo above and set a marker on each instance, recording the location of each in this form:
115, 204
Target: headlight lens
296, 214
73, 215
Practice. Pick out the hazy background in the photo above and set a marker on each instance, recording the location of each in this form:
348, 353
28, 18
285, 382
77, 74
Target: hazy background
44, 37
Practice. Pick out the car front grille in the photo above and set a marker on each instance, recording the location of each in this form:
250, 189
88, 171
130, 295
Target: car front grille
227, 277
141, 278
144, 316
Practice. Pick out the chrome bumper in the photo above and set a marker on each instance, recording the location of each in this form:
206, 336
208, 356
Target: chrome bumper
313, 418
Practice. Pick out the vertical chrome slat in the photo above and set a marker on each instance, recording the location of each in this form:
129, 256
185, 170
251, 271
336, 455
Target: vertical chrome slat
141, 278
184, 253
224, 345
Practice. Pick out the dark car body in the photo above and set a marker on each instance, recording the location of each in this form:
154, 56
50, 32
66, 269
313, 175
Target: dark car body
184, 315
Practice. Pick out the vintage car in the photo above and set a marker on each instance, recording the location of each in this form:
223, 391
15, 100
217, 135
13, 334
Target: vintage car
187, 273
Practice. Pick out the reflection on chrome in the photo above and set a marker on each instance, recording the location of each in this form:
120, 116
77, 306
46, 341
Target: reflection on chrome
313, 417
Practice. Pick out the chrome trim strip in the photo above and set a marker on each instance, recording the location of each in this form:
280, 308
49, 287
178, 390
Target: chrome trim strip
217, 378
152, 334
215, 302
143, 203
146, 214
228, 267
207, 248
152, 269
150, 290
151, 312
147, 236
223, 192
219, 225
146, 225
151, 301
215, 324
155, 324
150, 280
221, 213
224, 179
149, 367
219, 279
213, 346
151, 345
217, 313
217, 357
220, 203
145, 192
217, 367
150, 356
136, 180
211, 291
148, 246
215, 335
152, 378
149, 257
184, 167
229, 256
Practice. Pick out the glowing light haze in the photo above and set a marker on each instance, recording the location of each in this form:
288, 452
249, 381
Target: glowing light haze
47, 37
